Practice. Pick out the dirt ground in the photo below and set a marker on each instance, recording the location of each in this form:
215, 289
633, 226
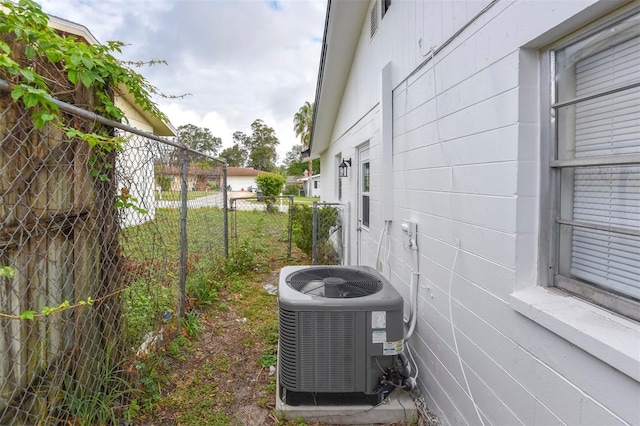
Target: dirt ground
245, 377
244, 390
242, 386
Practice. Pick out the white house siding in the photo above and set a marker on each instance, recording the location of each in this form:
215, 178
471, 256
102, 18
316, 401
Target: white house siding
466, 170
135, 167
241, 183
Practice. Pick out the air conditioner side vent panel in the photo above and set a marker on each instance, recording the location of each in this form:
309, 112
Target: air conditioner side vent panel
287, 359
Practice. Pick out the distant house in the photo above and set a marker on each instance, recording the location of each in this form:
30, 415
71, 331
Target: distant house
241, 178
135, 165
198, 178
494, 168
311, 186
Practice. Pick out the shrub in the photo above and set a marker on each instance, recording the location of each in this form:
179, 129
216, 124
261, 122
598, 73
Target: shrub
270, 184
164, 182
292, 190
303, 230
145, 302
245, 260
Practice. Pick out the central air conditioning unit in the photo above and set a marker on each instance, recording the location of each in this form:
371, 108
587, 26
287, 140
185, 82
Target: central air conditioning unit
340, 330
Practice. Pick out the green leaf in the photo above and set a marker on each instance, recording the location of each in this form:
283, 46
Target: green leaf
88, 62
47, 117
30, 52
73, 76
6, 271
30, 100
41, 118
7, 62
16, 93
28, 75
28, 315
5, 47
54, 56
87, 78
75, 60
73, 133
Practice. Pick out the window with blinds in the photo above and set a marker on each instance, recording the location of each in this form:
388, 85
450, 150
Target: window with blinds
596, 103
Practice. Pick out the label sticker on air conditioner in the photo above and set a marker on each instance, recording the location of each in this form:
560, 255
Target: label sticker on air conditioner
379, 319
393, 348
379, 336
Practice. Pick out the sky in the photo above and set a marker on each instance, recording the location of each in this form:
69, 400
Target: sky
236, 60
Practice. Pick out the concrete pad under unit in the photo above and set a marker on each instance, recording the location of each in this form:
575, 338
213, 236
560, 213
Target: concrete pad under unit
397, 407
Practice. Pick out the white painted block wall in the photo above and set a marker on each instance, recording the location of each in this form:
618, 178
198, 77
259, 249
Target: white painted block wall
465, 169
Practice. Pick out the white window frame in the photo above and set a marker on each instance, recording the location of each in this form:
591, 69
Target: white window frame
611, 337
365, 193
564, 164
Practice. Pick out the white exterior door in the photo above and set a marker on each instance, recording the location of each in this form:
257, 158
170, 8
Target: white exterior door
363, 200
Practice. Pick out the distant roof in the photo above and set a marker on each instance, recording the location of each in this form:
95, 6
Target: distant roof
242, 171
193, 171
306, 178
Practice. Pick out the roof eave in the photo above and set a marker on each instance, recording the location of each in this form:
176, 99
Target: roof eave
160, 128
343, 26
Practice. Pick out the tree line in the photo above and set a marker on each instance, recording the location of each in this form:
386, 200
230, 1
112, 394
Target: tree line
255, 149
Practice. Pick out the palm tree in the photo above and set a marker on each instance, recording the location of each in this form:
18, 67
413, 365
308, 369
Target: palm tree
302, 125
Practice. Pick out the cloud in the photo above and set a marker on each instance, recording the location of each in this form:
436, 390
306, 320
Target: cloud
239, 60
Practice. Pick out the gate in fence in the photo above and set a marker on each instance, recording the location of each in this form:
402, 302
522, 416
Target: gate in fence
267, 220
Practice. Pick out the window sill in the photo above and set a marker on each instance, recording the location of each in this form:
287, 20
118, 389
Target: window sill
609, 337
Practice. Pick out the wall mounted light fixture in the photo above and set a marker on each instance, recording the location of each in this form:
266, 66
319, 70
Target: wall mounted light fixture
343, 167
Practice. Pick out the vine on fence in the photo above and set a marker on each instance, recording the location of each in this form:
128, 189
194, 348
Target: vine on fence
90, 65
6, 272
28, 41
48, 310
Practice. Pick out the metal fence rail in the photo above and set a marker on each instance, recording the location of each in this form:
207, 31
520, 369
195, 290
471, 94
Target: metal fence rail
94, 258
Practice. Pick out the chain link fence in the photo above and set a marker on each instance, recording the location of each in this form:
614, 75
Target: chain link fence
328, 235
96, 253
261, 218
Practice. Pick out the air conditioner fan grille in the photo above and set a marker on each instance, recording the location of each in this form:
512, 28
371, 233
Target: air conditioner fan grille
334, 282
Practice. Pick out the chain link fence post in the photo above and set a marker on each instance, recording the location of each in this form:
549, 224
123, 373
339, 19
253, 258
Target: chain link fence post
314, 235
225, 208
183, 231
290, 233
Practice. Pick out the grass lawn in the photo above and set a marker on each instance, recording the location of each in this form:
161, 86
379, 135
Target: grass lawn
214, 365
177, 195
305, 200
